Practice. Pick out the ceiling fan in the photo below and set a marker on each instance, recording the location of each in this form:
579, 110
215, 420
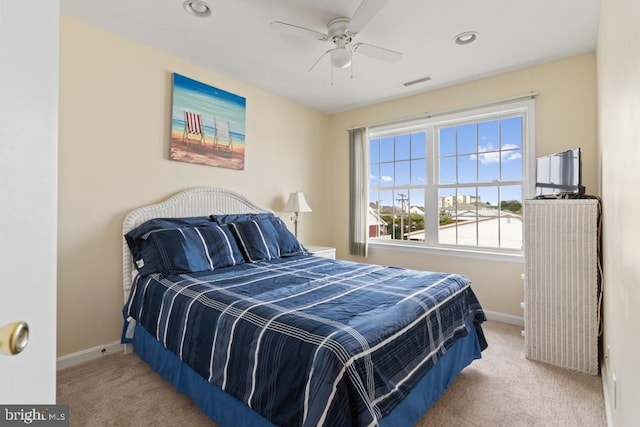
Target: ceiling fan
341, 31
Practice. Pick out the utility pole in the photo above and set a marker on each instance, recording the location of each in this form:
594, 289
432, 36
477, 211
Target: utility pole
401, 198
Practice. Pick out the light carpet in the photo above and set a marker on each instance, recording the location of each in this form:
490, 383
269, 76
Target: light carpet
501, 389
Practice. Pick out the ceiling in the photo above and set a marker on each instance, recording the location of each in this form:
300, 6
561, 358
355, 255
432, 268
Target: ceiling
236, 40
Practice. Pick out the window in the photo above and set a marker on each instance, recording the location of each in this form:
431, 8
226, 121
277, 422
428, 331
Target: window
452, 181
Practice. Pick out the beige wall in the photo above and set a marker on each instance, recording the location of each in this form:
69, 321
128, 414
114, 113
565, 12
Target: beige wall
565, 118
619, 146
115, 102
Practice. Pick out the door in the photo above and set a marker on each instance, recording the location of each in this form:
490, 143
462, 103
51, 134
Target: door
29, 34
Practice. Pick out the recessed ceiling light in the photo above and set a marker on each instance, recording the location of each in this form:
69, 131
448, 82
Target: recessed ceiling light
466, 37
197, 8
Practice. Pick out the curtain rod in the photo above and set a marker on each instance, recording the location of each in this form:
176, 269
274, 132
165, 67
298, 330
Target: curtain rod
428, 114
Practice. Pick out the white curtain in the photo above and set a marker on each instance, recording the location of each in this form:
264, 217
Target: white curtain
358, 190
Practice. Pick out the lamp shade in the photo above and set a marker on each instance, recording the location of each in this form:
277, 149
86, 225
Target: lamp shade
297, 203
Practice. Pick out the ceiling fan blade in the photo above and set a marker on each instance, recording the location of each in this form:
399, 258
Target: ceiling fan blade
318, 60
366, 11
377, 52
301, 31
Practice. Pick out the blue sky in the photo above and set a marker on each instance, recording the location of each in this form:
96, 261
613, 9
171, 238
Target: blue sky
191, 95
487, 151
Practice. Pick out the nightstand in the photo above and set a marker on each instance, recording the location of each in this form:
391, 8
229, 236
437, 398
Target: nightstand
322, 251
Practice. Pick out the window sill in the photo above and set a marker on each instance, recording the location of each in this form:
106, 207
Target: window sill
450, 252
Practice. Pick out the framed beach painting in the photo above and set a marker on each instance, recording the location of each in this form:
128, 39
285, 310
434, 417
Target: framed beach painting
207, 125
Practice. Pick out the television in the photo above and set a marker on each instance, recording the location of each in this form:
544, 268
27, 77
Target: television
559, 175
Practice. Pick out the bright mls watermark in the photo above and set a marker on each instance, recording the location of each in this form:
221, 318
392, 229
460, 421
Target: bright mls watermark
38, 415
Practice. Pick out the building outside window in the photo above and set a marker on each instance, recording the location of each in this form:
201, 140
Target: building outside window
453, 181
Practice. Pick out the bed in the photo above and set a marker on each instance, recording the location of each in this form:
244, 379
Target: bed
224, 303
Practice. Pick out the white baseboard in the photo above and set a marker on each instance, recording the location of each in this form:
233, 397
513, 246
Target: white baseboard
504, 318
92, 353
605, 390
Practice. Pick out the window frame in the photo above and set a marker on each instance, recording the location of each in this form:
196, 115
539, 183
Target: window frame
431, 126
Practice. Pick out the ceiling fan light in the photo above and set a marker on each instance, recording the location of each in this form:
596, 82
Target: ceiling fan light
340, 57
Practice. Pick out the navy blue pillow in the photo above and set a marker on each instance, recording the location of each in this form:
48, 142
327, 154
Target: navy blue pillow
183, 248
143, 254
229, 218
160, 223
257, 239
287, 241
222, 246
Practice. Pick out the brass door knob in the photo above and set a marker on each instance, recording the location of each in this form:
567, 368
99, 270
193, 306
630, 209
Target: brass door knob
14, 338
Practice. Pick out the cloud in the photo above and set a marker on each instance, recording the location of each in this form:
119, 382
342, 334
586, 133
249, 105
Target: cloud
514, 155
386, 178
494, 157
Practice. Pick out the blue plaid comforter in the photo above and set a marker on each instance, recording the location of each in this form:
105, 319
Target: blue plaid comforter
305, 340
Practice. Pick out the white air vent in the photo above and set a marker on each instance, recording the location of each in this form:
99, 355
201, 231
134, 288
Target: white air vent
416, 81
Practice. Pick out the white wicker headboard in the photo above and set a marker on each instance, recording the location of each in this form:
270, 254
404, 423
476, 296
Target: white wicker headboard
198, 201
